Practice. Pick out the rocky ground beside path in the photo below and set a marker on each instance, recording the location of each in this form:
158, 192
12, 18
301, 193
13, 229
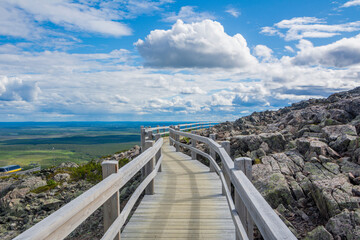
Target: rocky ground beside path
308, 159
27, 199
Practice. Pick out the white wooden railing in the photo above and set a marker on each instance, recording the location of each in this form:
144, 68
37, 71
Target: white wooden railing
248, 206
62, 222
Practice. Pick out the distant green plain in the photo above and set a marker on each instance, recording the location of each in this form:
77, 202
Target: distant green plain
52, 145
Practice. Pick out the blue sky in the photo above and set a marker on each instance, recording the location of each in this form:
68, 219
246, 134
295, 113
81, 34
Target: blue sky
114, 60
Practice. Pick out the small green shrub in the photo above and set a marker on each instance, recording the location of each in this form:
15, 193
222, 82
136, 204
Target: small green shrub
123, 162
120, 151
90, 171
107, 156
50, 184
257, 161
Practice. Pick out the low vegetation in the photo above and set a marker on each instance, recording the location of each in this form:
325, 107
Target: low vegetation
90, 171
50, 184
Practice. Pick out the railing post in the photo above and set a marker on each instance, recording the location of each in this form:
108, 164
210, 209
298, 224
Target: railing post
158, 154
244, 164
150, 136
149, 167
170, 135
158, 130
193, 144
112, 205
226, 146
212, 153
177, 139
142, 138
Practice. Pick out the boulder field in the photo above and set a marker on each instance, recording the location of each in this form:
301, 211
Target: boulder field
306, 162
27, 199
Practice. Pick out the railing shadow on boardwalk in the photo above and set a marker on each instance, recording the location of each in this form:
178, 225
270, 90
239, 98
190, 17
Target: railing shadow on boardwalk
247, 207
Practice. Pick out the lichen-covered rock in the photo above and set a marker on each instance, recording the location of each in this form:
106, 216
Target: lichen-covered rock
51, 204
32, 182
333, 132
62, 177
13, 197
344, 143
248, 142
333, 195
319, 233
275, 141
345, 225
320, 148
272, 185
356, 156
68, 165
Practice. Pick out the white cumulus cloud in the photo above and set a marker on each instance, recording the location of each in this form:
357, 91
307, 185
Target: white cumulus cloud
308, 27
187, 14
192, 90
263, 52
15, 89
121, 99
343, 53
351, 3
202, 45
74, 16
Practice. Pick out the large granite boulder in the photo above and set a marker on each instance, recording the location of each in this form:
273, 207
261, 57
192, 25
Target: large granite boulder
271, 184
345, 225
275, 141
319, 233
333, 195
333, 132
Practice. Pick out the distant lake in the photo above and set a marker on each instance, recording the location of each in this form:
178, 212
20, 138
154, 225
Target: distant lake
50, 143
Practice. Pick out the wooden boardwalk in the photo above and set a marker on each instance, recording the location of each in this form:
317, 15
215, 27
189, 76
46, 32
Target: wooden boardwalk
187, 203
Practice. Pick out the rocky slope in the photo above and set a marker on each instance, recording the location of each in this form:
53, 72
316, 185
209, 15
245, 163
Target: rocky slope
27, 199
306, 162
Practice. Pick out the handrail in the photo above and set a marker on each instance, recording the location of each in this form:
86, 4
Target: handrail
62, 222
268, 222
181, 125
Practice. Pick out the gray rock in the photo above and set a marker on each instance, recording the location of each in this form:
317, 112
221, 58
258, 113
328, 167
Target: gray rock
345, 225
343, 143
68, 165
317, 148
297, 190
333, 195
319, 233
356, 156
32, 182
62, 177
248, 142
303, 145
13, 197
333, 132
51, 204
275, 141
272, 185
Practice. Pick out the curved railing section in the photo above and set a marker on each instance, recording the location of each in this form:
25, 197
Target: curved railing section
248, 206
62, 222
